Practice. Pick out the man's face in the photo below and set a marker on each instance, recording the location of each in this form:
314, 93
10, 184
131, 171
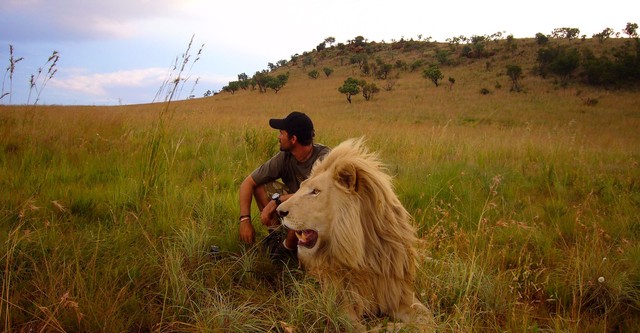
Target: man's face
286, 143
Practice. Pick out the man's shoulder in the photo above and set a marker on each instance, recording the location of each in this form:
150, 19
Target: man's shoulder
320, 147
320, 151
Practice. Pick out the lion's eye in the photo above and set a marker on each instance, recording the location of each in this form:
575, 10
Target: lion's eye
315, 191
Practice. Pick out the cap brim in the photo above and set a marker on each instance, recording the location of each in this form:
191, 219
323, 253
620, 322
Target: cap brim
277, 123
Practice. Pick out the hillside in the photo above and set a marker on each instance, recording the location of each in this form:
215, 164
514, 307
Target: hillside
408, 97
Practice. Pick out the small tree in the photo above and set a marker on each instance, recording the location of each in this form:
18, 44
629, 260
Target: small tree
561, 61
512, 45
568, 33
327, 71
433, 73
383, 71
541, 39
276, 83
514, 72
631, 30
261, 79
349, 88
443, 57
368, 90
232, 87
604, 35
330, 41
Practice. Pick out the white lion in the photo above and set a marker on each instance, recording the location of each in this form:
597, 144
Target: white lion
354, 235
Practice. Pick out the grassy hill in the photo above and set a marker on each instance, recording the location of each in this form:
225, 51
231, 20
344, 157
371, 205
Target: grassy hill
527, 203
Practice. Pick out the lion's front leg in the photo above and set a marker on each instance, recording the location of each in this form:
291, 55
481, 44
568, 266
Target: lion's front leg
416, 314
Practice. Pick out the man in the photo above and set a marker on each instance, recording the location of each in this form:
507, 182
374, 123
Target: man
292, 165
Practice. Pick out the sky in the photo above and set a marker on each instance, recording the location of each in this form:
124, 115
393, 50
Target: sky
114, 52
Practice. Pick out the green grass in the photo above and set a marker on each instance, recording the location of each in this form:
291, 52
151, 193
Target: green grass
526, 206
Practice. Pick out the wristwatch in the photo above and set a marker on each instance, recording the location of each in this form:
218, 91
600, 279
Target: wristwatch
276, 197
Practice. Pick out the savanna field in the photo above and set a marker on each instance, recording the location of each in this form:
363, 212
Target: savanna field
527, 203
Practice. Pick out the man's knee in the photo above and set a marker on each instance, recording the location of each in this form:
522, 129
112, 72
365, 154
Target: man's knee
262, 193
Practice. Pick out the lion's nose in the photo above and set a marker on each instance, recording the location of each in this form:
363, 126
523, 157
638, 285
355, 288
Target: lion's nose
283, 213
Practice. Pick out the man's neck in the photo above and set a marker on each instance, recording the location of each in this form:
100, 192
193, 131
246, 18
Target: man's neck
302, 153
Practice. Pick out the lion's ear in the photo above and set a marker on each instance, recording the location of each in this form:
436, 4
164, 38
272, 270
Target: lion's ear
347, 176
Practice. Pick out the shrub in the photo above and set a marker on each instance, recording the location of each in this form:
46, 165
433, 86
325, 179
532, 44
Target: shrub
561, 61
541, 39
417, 64
313, 74
433, 73
514, 72
368, 90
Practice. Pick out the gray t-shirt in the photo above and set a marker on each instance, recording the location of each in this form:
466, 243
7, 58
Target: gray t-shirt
285, 166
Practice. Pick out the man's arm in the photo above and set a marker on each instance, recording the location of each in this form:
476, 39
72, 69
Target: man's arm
246, 230
268, 214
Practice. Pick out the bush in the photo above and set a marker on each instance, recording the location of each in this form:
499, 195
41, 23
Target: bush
313, 74
433, 73
561, 61
368, 90
541, 39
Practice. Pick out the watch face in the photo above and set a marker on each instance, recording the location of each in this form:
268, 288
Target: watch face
275, 196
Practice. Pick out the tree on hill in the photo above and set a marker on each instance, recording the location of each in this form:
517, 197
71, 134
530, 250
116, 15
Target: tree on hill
327, 71
358, 41
383, 70
604, 35
514, 72
276, 83
567, 33
330, 40
368, 90
561, 61
232, 87
359, 59
261, 79
541, 39
433, 73
631, 30
621, 68
349, 88
243, 79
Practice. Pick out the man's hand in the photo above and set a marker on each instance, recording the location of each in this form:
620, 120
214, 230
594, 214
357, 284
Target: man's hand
268, 215
247, 233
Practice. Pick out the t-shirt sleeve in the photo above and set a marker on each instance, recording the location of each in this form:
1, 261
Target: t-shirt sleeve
270, 170
323, 152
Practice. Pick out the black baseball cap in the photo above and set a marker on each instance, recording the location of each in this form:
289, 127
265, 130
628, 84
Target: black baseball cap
296, 123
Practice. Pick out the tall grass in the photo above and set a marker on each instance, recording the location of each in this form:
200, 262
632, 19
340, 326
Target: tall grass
526, 207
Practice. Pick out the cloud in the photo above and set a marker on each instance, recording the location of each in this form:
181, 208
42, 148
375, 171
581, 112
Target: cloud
100, 84
79, 20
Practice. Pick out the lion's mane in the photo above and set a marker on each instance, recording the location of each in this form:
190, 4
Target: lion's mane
368, 251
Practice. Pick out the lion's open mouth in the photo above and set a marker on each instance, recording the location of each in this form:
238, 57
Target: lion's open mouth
307, 238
